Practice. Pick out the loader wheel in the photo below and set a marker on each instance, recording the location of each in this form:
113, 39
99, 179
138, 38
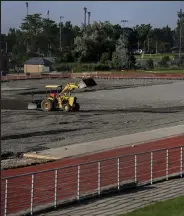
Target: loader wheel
77, 107
46, 105
66, 107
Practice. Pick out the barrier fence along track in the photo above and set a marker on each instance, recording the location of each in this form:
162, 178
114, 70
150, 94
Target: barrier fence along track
98, 75
28, 193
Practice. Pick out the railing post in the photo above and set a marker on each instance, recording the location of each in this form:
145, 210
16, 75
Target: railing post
99, 178
167, 163
118, 174
78, 182
32, 193
151, 167
55, 187
181, 162
6, 198
135, 168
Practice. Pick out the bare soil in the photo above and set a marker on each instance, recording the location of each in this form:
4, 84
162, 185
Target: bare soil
112, 108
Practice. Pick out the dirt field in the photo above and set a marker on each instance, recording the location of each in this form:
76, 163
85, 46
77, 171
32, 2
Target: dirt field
114, 107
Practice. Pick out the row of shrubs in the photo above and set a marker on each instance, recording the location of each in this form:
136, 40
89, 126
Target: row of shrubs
82, 67
165, 62
147, 65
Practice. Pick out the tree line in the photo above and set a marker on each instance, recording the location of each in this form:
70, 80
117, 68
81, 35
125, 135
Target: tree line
100, 42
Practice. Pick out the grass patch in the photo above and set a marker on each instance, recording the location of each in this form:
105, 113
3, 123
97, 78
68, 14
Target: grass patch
151, 71
169, 71
156, 56
172, 207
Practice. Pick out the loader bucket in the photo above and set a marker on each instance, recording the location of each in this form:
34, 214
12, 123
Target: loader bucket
32, 106
87, 82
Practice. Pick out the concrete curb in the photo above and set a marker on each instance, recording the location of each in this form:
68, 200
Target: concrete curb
103, 145
37, 156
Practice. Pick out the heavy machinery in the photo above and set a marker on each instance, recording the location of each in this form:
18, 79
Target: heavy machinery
61, 99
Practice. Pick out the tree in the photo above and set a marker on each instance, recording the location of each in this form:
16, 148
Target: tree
143, 32
131, 61
3, 41
48, 37
180, 28
99, 42
164, 61
149, 64
11, 39
19, 50
120, 56
93, 41
104, 58
32, 28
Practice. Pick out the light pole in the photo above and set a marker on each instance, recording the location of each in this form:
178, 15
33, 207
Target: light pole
156, 47
85, 11
180, 14
48, 41
124, 21
27, 8
48, 12
6, 47
89, 15
148, 40
27, 13
61, 17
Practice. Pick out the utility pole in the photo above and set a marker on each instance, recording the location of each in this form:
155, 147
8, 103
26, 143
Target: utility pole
156, 47
124, 21
61, 17
180, 15
85, 11
89, 15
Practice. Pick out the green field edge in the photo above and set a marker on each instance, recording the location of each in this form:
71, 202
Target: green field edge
171, 207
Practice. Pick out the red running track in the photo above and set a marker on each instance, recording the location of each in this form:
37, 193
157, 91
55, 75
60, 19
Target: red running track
99, 75
19, 188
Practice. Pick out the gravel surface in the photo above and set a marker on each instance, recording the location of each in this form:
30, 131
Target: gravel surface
112, 108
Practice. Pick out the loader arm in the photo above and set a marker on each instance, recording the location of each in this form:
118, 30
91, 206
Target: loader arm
69, 87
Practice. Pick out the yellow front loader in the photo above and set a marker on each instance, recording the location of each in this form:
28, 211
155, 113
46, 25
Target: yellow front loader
61, 99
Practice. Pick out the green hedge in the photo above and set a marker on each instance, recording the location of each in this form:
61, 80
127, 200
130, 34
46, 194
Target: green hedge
81, 67
90, 67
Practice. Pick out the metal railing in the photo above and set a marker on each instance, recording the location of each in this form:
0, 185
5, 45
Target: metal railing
28, 193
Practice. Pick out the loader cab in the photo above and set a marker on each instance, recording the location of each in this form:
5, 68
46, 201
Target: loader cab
53, 90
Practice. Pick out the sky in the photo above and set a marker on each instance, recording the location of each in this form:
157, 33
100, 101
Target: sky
157, 13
